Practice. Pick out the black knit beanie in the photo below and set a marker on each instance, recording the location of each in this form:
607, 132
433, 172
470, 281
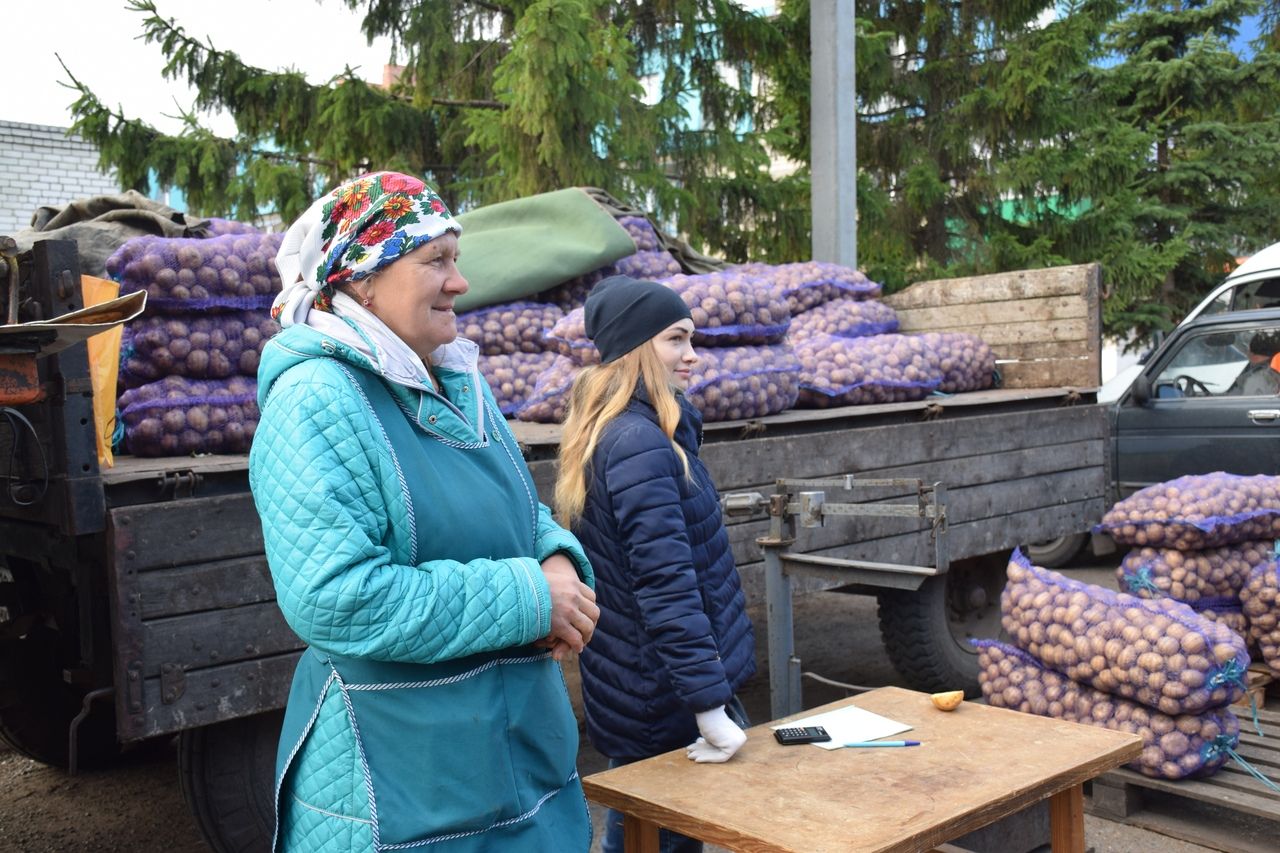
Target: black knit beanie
622, 313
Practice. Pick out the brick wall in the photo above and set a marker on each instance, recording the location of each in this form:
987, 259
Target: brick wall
42, 165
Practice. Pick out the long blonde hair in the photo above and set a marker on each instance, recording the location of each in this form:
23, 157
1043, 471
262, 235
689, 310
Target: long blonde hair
599, 395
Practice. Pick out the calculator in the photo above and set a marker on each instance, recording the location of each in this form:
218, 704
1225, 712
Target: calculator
788, 735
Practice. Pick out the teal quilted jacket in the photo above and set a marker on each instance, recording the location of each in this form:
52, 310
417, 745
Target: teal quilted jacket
404, 539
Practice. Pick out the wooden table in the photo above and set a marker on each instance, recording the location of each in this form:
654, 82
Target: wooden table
977, 764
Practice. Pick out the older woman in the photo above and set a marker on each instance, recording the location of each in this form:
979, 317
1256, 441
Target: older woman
409, 550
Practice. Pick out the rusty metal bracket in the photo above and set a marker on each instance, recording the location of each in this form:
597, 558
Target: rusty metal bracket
174, 485
133, 687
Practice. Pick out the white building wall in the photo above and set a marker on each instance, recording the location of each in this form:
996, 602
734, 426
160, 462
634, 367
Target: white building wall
41, 165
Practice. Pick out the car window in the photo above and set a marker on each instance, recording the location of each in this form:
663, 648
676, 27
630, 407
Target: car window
1220, 304
1261, 293
1219, 363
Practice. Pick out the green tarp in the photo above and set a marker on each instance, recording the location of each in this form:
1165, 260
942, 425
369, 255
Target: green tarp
515, 249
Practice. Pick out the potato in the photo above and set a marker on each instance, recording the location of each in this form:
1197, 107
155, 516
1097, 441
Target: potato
178, 416
809, 283
1191, 575
1260, 602
1174, 746
965, 361
851, 371
549, 399
198, 346
1144, 667
509, 327
737, 383
951, 699
731, 308
512, 377
844, 317
642, 233
1197, 512
653, 265
233, 272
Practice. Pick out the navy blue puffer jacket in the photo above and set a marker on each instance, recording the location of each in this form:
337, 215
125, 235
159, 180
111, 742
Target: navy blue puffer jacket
673, 638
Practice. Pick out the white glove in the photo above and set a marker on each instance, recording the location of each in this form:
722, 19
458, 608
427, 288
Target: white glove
721, 738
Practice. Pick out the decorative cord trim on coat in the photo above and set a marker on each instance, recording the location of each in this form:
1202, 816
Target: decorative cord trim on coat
395, 460
453, 679
533, 504
364, 760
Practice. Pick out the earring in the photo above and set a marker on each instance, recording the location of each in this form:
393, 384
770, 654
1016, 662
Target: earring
366, 302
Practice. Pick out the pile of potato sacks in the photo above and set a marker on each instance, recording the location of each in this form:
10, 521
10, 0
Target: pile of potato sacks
188, 367
1207, 540
1166, 659
768, 337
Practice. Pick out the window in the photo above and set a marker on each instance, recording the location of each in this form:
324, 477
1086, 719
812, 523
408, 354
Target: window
1221, 363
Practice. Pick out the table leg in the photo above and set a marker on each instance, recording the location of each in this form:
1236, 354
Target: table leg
639, 836
1066, 820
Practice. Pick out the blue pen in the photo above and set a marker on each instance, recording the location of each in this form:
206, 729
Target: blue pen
884, 743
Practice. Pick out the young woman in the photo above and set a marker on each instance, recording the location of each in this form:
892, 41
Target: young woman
673, 642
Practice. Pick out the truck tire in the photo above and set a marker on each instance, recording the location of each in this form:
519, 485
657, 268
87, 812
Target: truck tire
227, 772
927, 632
1056, 553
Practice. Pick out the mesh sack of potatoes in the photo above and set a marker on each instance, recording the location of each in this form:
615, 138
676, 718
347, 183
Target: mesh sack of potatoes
186, 274
808, 283
1260, 600
852, 371
1155, 651
642, 233
568, 336
652, 264
1190, 575
197, 346
548, 402
177, 416
1173, 746
1197, 511
509, 327
966, 362
512, 377
734, 383
844, 318
732, 308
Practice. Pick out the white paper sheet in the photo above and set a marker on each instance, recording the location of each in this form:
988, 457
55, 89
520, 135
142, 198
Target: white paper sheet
850, 724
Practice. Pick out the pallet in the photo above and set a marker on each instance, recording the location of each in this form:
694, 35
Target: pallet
1232, 793
1260, 680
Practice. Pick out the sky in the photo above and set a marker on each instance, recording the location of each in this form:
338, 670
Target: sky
99, 41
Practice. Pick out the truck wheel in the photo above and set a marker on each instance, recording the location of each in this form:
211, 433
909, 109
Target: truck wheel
927, 632
1056, 553
228, 780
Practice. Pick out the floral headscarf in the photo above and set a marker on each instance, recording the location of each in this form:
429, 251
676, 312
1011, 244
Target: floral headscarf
351, 233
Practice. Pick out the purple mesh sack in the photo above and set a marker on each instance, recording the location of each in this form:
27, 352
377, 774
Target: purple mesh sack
512, 377
177, 416
809, 283
549, 400
186, 274
731, 309
1260, 601
568, 336
735, 383
1198, 511
853, 371
209, 346
217, 227
1190, 575
844, 318
509, 327
1158, 652
1173, 746
642, 232
966, 362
